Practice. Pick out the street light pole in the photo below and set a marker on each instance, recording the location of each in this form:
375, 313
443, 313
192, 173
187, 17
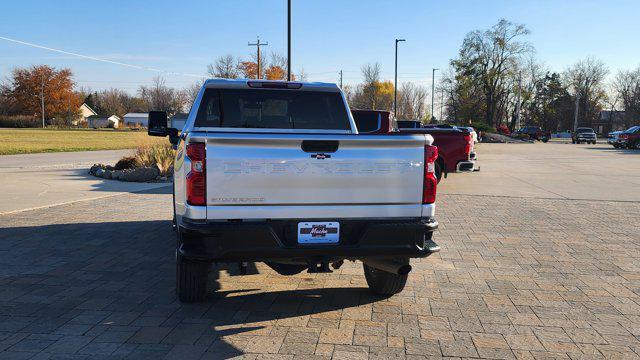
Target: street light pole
288, 40
433, 87
575, 115
519, 101
395, 81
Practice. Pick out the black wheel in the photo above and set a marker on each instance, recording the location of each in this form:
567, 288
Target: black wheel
191, 278
384, 283
573, 141
438, 171
637, 145
545, 140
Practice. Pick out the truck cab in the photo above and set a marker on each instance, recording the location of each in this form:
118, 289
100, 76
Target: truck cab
276, 172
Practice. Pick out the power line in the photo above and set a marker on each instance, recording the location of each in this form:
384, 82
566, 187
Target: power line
88, 57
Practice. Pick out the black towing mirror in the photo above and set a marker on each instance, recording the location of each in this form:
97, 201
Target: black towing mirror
158, 124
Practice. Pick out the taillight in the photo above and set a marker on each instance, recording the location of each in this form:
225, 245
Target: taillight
429, 185
468, 144
196, 179
623, 136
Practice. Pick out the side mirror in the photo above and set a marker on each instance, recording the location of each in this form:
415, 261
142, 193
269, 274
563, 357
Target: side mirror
158, 124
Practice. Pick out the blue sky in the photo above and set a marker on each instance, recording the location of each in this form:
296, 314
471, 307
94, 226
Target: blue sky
328, 35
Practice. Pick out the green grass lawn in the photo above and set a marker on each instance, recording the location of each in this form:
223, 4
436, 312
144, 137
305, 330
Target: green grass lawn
23, 141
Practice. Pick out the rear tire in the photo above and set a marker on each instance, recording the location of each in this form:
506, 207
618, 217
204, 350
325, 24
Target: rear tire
191, 276
191, 279
384, 283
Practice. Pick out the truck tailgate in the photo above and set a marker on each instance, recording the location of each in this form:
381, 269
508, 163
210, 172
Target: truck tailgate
252, 176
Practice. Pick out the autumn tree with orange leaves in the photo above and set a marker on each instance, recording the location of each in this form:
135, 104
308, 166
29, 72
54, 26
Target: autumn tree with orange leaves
27, 86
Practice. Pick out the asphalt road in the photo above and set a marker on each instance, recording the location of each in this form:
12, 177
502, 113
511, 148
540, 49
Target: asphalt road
553, 171
31, 181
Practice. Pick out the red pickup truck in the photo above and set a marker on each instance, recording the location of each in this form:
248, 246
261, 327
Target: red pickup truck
455, 145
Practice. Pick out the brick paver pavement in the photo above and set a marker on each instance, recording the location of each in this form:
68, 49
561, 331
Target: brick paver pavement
517, 278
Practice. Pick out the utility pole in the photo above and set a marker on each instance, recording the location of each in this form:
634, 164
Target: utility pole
340, 79
519, 101
42, 99
257, 45
288, 40
441, 102
575, 115
395, 82
433, 89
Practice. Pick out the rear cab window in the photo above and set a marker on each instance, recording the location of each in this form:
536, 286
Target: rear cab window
272, 109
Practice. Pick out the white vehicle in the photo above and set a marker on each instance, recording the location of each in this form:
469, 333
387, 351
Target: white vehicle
276, 172
474, 134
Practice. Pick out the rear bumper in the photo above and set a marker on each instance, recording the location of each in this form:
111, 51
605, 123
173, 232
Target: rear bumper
277, 240
466, 166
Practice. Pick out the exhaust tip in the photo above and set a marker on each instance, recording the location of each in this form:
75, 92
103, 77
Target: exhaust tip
404, 269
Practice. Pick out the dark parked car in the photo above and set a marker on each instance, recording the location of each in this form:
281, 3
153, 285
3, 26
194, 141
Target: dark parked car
535, 133
584, 135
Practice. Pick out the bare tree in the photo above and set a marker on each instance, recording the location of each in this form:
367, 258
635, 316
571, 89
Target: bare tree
627, 88
371, 75
587, 77
225, 67
302, 75
489, 57
191, 93
161, 97
412, 102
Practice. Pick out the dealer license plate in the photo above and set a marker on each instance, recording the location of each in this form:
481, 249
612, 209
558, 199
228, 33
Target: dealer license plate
318, 232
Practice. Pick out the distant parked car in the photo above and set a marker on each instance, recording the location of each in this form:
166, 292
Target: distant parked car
613, 138
534, 132
584, 135
630, 138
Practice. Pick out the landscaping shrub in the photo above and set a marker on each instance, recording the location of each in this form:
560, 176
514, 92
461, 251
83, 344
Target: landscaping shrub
503, 129
127, 162
20, 121
159, 154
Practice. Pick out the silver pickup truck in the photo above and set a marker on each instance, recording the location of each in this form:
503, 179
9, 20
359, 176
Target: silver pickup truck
276, 172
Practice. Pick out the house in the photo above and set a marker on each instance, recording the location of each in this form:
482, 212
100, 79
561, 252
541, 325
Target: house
136, 119
85, 112
178, 120
101, 121
609, 121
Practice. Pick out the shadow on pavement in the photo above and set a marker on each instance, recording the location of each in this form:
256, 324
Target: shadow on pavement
612, 149
116, 185
123, 275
